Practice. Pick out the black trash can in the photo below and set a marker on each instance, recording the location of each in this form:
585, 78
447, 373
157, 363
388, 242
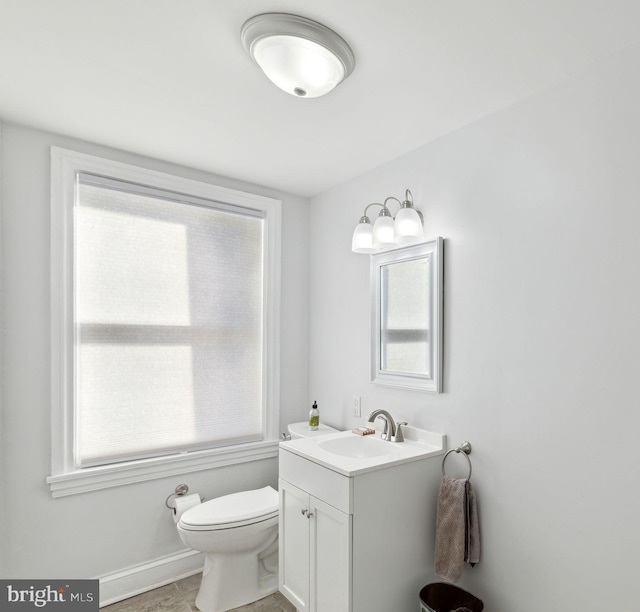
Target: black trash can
444, 597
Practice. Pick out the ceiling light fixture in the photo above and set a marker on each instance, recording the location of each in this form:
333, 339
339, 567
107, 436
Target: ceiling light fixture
387, 232
301, 56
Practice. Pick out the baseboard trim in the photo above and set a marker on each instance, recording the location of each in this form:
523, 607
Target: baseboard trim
138, 579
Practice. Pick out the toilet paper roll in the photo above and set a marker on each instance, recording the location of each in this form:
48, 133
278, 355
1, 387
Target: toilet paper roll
182, 503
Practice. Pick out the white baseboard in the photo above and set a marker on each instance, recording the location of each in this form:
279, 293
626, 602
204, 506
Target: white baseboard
147, 576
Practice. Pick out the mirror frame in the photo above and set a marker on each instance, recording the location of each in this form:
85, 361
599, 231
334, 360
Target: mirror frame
434, 251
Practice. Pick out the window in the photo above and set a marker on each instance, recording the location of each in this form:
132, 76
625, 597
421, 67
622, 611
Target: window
164, 319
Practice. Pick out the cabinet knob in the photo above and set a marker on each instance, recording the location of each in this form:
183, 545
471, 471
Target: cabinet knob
306, 513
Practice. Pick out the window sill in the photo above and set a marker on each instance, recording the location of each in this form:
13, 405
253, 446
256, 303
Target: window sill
103, 477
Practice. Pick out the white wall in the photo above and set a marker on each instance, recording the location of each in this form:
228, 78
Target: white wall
97, 533
539, 207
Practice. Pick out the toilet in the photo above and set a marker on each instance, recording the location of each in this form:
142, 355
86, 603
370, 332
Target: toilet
239, 535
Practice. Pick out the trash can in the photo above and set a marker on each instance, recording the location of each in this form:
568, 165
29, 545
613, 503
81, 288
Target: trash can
444, 597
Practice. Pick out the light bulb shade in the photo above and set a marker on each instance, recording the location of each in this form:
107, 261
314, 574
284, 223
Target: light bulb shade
408, 227
383, 234
362, 241
298, 66
300, 56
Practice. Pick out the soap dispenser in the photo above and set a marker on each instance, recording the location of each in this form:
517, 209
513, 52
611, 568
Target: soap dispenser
314, 417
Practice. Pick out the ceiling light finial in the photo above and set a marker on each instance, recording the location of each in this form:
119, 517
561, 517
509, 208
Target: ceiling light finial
301, 56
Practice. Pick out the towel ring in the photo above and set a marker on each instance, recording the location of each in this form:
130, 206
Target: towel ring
465, 449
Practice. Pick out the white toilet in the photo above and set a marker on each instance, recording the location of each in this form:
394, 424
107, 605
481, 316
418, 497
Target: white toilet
239, 535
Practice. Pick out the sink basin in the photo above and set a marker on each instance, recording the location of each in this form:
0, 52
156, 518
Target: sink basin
358, 446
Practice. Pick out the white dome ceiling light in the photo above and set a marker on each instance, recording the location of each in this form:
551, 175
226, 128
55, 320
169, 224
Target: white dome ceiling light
301, 56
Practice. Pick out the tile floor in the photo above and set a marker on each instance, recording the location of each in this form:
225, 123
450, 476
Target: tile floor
181, 597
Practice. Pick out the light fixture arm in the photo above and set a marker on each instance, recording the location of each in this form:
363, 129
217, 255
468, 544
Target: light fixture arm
384, 212
391, 198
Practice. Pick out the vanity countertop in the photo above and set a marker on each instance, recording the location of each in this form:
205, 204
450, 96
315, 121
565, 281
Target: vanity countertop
351, 454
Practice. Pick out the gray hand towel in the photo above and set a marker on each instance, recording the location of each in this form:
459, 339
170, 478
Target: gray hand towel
457, 533
450, 529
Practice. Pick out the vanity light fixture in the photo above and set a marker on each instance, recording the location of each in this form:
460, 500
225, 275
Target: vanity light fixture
388, 232
301, 56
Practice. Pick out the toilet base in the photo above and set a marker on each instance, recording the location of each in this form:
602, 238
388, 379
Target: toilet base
233, 580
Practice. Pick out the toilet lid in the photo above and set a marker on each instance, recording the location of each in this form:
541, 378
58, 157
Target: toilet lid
233, 510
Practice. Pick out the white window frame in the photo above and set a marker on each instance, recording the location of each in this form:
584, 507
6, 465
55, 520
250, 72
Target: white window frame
65, 479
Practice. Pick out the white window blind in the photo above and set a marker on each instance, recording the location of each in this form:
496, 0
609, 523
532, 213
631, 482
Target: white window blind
168, 322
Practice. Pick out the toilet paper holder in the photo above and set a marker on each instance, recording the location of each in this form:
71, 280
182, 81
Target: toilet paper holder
181, 489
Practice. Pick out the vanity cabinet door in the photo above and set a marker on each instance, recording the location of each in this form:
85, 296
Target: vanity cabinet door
294, 545
330, 571
315, 552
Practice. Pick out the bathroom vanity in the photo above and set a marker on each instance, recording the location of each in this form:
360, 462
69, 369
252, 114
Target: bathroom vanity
357, 521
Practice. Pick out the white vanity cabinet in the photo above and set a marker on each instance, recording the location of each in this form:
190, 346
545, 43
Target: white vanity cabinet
361, 543
316, 551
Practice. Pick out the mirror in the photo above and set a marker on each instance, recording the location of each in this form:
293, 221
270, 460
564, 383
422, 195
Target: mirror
406, 287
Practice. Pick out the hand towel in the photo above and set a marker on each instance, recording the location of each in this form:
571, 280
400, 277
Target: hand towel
457, 533
450, 529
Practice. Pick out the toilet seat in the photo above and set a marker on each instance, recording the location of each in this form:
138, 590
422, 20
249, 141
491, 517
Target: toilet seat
231, 511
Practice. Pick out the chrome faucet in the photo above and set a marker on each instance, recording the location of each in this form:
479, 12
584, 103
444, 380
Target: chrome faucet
389, 431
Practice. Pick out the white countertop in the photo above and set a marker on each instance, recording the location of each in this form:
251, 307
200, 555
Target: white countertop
351, 454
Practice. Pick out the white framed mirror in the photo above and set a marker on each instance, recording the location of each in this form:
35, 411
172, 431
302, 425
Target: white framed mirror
406, 293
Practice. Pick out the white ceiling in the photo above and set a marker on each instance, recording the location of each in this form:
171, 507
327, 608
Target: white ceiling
170, 78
